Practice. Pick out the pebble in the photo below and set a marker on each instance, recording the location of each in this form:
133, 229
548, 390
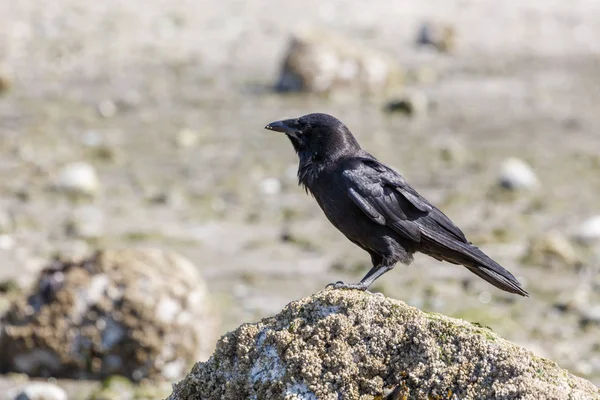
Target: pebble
86, 222
411, 104
187, 138
6, 221
270, 186
441, 36
516, 174
6, 78
551, 248
589, 231
78, 178
107, 108
41, 391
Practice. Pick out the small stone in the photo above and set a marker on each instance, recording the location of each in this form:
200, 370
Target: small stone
187, 138
551, 249
41, 391
441, 36
86, 222
451, 151
589, 231
590, 315
412, 104
92, 139
270, 186
516, 174
78, 178
107, 108
6, 221
7, 242
6, 78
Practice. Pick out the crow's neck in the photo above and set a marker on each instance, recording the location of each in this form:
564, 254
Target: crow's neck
309, 168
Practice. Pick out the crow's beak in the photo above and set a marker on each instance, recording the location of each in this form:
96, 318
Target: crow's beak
287, 126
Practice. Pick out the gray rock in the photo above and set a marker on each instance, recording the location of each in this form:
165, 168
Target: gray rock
439, 35
356, 345
589, 231
107, 108
321, 62
78, 178
414, 103
86, 222
516, 174
135, 313
40, 391
551, 249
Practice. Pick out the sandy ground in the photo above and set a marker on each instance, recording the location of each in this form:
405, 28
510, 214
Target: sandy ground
523, 82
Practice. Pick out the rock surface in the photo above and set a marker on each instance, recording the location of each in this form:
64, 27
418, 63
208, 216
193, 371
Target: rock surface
321, 62
356, 345
136, 313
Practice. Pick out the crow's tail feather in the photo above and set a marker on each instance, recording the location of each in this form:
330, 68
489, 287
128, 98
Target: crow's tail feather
474, 259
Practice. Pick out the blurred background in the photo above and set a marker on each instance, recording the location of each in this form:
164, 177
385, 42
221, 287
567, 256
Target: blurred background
128, 126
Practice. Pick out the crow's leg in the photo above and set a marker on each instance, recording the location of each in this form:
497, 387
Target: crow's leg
365, 282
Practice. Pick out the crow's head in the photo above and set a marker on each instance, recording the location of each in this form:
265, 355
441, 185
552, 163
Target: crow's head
319, 137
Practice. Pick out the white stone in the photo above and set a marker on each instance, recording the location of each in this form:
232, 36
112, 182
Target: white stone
589, 231
516, 174
41, 391
270, 186
78, 177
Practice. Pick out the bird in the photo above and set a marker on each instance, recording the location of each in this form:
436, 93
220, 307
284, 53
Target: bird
375, 207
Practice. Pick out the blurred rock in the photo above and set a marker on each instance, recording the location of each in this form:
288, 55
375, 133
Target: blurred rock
187, 138
589, 231
86, 222
351, 345
452, 152
172, 197
6, 221
78, 178
590, 314
441, 36
516, 174
107, 108
7, 242
136, 313
412, 104
6, 78
270, 186
40, 391
573, 301
322, 62
551, 249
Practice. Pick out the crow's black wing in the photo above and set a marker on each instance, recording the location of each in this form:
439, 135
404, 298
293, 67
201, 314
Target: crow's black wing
386, 197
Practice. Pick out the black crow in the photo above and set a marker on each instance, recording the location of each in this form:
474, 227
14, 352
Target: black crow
374, 206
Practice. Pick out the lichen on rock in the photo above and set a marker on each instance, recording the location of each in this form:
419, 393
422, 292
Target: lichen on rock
355, 345
135, 313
